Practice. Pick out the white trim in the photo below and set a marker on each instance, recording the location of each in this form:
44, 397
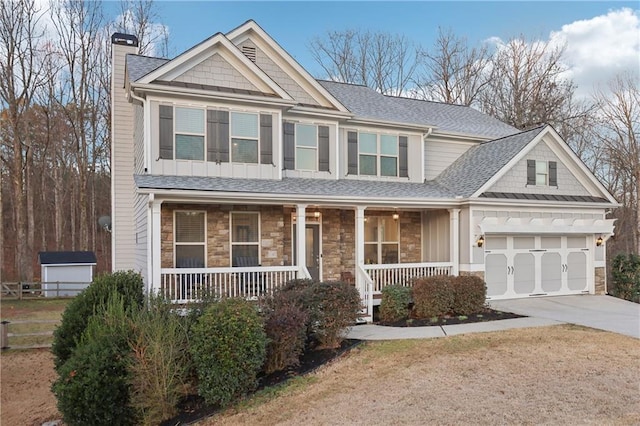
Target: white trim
156, 252
454, 232
301, 248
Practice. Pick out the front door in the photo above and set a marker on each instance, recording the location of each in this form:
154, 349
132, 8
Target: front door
312, 241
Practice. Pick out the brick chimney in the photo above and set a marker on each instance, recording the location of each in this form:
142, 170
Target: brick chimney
122, 157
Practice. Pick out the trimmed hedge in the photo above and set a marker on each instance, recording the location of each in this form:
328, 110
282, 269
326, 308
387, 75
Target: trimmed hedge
394, 305
469, 294
432, 296
625, 271
76, 316
228, 346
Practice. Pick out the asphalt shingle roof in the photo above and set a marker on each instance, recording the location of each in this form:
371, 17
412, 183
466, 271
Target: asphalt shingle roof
66, 257
478, 164
298, 186
366, 103
139, 65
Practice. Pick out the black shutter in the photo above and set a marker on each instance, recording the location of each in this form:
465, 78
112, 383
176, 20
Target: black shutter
531, 172
553, 173
222, 137
266, 139
212, 136
166, 132
352, 153
403, 152
323, 148
289, 130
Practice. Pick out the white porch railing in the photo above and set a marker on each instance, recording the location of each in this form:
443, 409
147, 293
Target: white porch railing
365, 288
182, 285
404, 273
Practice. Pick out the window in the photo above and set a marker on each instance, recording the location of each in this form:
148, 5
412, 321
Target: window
378, 154
306, 147
245, 238
381, 240
542, 173
189, 134
244, 137
189, 239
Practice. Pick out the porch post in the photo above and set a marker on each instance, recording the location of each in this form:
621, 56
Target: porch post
454, 232
359, 237
301, 248
155, 236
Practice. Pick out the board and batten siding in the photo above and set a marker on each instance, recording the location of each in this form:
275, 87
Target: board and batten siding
210, 168
122, 166
141, 235
515, 180
314, 174
436, 238
440, 154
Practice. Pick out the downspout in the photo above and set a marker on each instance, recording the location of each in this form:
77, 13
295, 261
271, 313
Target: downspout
425, 136
146, 128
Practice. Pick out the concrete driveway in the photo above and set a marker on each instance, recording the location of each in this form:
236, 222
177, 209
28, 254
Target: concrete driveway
601, 312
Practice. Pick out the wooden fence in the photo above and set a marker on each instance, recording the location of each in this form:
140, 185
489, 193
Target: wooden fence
6, 334
25, 290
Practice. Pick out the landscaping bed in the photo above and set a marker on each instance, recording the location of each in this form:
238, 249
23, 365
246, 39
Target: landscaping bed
449, 319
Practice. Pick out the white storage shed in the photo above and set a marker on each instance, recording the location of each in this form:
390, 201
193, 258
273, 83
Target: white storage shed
66, 273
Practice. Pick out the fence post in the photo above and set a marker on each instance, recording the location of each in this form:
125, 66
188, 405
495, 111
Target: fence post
4, 335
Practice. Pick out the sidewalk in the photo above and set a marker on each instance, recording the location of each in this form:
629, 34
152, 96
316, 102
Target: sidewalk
379, 332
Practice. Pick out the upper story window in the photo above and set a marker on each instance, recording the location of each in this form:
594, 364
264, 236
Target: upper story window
219, 136
244, 137
189, 239
372, 154
306, 147
189, 134
542, 173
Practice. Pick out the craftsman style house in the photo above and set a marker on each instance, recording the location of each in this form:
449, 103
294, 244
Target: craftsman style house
234, 170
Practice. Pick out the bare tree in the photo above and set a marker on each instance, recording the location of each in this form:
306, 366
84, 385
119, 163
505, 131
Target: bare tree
526, 84
20, 78
455, 73
387, 63
140, 17
618, 130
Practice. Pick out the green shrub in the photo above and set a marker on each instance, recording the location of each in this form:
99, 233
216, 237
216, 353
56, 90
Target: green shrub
228, 350
76, 316
469, 295
395, 303
432, 296
93, 387
159, 363
338, 307
625, 271
285, 326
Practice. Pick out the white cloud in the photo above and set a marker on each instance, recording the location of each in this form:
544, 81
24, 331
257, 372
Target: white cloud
599, 48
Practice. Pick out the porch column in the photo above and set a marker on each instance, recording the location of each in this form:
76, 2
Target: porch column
454, 232
359, 237
155, 237
301, 247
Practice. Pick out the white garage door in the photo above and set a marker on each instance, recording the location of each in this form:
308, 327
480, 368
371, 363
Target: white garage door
521, 266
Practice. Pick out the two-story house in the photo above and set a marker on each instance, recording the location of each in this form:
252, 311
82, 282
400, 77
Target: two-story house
234, 170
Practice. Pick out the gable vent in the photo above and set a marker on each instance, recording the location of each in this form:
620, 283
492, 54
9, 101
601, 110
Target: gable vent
249, 52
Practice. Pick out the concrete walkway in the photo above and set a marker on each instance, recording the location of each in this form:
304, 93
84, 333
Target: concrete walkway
601, 312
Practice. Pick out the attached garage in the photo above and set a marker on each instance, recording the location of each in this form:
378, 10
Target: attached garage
526, 265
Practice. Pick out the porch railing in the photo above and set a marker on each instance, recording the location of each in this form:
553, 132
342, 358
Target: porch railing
403, 273
181, 285
365, 288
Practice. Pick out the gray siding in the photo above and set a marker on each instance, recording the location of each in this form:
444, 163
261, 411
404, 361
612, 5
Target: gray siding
515, 180
216, 71
141, 235
436, 236
122, 166
440, 154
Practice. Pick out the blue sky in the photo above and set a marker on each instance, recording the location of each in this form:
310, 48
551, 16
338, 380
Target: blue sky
293, 24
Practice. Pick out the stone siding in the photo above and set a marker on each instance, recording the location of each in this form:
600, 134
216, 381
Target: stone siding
479, 274
600, 280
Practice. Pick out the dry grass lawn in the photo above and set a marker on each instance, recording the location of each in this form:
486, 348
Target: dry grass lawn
551, 375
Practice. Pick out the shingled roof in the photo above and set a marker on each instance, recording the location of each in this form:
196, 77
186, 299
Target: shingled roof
138, 65
480, 163
366, 103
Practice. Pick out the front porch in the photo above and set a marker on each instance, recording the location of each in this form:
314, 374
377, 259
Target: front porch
248, 251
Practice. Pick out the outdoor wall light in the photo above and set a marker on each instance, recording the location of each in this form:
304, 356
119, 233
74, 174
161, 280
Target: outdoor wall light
316, 214
599, 241
395, 216
480, 241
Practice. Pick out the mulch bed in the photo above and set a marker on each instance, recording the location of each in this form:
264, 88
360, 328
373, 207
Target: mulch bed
193, 407
485, 315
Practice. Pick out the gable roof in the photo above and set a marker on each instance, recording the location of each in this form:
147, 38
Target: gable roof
480, 163
366, 103
139, 65
66, 257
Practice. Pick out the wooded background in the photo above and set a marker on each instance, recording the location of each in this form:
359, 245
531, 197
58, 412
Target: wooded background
55, 113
